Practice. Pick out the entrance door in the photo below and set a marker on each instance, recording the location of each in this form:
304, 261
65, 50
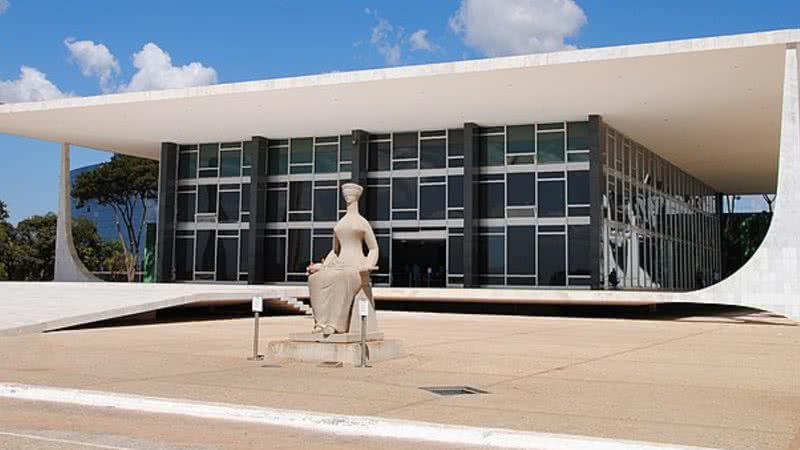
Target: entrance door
419, 262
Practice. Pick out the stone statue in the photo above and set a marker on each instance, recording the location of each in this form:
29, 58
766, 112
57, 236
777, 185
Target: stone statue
343, 275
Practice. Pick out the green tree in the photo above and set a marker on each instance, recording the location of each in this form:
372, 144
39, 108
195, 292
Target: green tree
125, 184
6, 234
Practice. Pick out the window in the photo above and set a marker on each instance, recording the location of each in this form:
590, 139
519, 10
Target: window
276, 204
552, 270
345, 153
275, 255
405, 151
492, 150
578, 136
378, 202
521, 250
228, 206
184, 259
379, 156
207, 198
206, 240
300, 201
186, 203
325, 158
431, 201
301, 155
550, 147
455, 148
299, 250
455, 191
187, 165
278, 160
325, 209
404, 193
227, 258
492, 255
521, 189
230, 163
243, 246
551, 198
245, 198
578, 187
432, 154
491, 200
208, 156
521, 145
456, 259
579, 249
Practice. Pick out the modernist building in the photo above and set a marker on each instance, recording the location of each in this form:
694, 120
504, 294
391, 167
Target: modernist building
589, 172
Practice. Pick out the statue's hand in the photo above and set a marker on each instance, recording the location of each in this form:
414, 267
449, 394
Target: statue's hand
313, 268
368, 268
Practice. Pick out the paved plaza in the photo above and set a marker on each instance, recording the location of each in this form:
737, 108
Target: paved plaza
708, 381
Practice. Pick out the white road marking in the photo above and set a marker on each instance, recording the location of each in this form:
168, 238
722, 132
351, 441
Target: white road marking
369, 427
62, 441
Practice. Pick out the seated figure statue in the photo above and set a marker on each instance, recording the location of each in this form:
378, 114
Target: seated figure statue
334, 283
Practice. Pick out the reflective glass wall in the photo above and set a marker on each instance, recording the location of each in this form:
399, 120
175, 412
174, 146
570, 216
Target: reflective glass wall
660, 225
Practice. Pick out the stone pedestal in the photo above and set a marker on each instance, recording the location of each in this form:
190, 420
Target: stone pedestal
344, 352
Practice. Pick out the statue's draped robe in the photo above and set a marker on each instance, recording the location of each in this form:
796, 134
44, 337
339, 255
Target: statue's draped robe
333, 287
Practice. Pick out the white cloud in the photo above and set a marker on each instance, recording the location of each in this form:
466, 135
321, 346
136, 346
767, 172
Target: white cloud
387, 41
512, 27
419, 41
94, 60
4, 4
32, 86
155, 71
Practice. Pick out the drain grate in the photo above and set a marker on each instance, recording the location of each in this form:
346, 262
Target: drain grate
453, 390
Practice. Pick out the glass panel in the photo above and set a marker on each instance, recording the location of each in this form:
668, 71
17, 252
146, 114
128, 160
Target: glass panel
231, 163
300, 196
578, 135
227, 259
405, 145
247, 154
552, 270
492, 200
205, 251
431, 202
379, 156
521, 250
186, 207
187, 165
278, 161
378, 203
492, 150
492, 255
578, 157
322, 246
383, 258
579, 258
245, 198
228, 207
432, 154
520, 139
207, 198
325, 205
299, 250
208, 155
578, 187
456, 259
346, 148
243, 239
325, 159
550, 147
404, 193
521, 189
551, 199
184, 259
404, 165
455, 191
301, 150
275, 255
455, 142
276, 206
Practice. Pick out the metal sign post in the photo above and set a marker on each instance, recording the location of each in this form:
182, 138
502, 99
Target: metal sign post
258, 307
363, 310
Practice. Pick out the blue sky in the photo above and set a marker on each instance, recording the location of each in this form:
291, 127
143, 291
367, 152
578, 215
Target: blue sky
246, 40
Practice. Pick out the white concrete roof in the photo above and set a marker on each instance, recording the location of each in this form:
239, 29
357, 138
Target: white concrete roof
712, 105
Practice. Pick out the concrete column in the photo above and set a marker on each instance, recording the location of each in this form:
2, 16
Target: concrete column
256, 271
167, 199
68, 266
597, 188
471, 204
360, 172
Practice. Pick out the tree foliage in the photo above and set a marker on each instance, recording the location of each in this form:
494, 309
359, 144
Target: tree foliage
125, 184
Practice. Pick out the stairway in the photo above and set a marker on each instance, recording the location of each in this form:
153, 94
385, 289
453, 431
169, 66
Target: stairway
291, 304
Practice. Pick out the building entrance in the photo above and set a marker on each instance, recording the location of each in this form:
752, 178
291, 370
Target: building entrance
419, 262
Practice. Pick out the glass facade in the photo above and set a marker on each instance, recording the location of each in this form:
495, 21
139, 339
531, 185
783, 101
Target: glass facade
533, 220
660, 225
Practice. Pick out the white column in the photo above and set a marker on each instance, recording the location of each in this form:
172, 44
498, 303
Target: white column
68, 266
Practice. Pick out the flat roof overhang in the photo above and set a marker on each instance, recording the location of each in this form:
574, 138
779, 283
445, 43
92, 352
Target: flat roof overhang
712, 106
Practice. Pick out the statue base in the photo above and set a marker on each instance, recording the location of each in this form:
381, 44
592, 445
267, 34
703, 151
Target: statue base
338, 338
345, 352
